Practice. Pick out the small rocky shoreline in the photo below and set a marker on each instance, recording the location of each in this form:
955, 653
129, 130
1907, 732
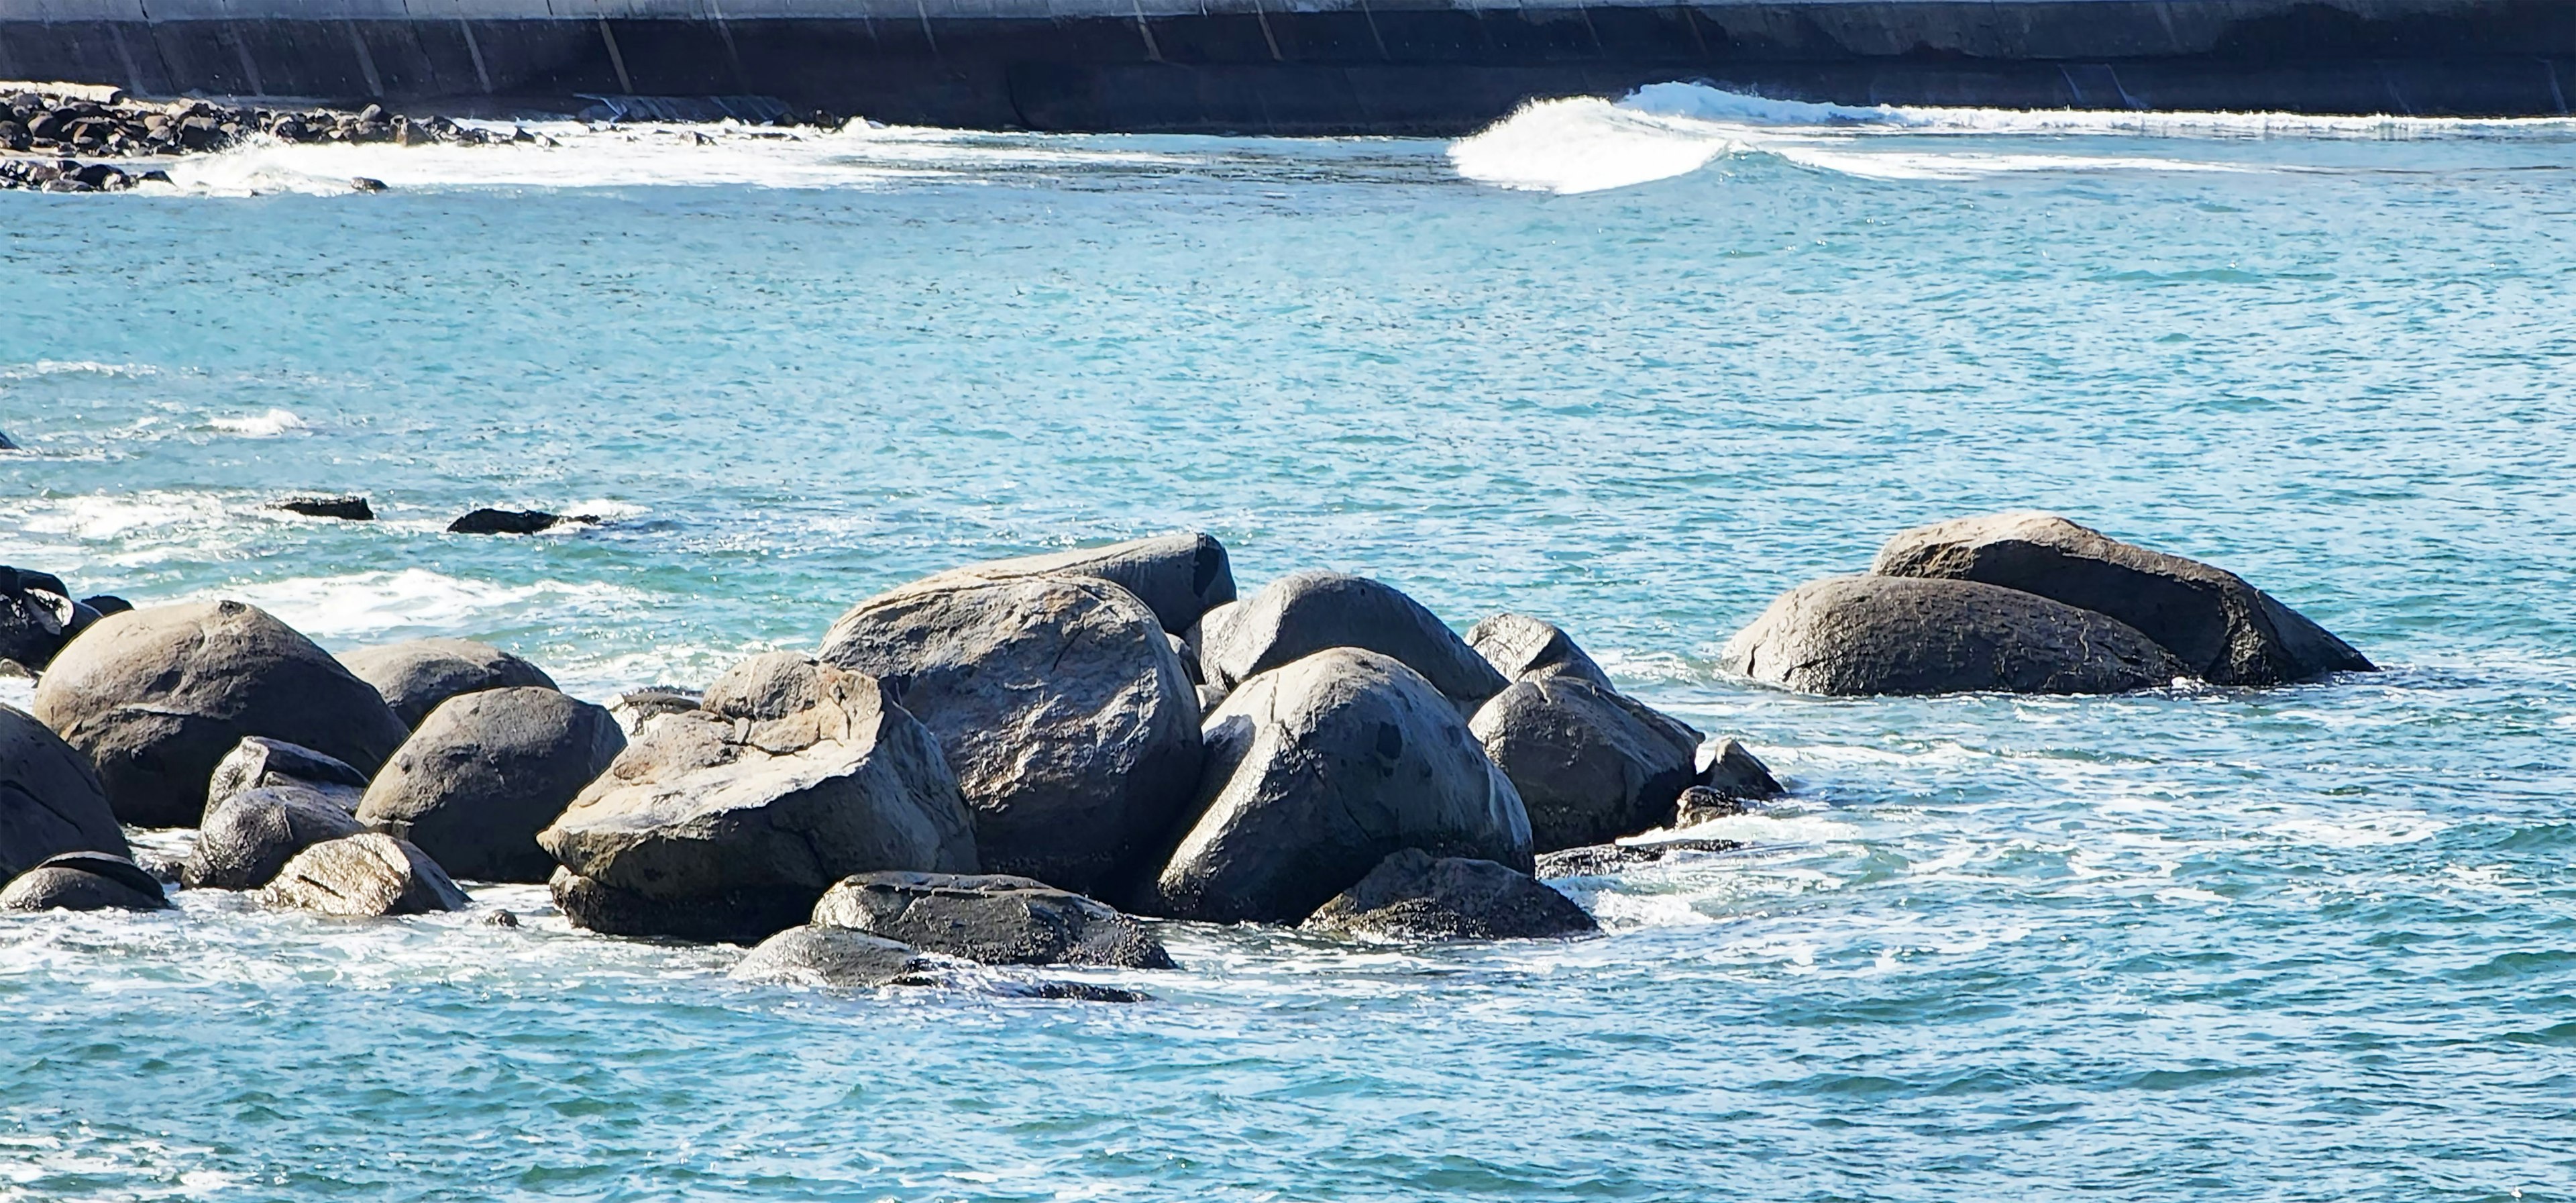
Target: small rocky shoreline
1021, 762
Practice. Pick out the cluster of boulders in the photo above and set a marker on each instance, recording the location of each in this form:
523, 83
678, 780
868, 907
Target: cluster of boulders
104, 123
2030, 602
971, 768
38, 615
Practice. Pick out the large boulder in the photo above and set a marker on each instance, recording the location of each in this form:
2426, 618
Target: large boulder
36, 617
416, 675
1590, 763
1070, 723
2224, 630
258, 762
155, 697
1519, 647
485, 773
1412, 895
769, 685
84, 881
831, 958
251, 834
50, 798
1318, 770
366, 875
1856, 635
730, 829
1178, 576
995, 919
1304, 613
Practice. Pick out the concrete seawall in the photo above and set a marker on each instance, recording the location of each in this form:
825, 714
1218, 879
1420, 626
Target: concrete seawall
1313, 66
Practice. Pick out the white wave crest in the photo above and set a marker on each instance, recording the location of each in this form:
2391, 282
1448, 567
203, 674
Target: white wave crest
74, 367
1586, 144
413, 602
261, 426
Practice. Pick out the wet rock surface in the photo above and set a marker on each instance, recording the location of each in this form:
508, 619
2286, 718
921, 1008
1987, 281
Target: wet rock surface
84, 881
50, 798
995, 919
485, 773
1603, 859
1864, 635
363, 876
57, 131
1413, 895
346, 509
247, 838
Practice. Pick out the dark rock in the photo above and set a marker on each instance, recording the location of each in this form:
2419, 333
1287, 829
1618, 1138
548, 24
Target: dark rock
50, 799
1072, 727
349, 509
107, 604
6, 443
250, 835
831, 958
485, 773
1590, 764
499, 918
1304, 613
1603, 859
2224, 630
1412, 895
1898, 635
1068, 991
717, 829
35, 617
1178, 576
157, 696
416, 675
1316, 772
364, 875
1736, 772
1700, 804
84, 881
103, 177
261, 763
499, 522
769, 685
1520, 646
368, 183
997, 920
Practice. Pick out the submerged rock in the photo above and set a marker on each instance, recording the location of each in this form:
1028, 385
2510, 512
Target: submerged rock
1412, 895
995, 919
50, 799
485, 773
1590, 763
347, 509
716, 829
1178, 576
261, 763
364, 876
157, 696
247, 837
1604, 859
1700, 804
2222, 629
1899, 635
1316, 772
1073, 729
1735, 772
509, 522
416, 675
831, 958
1519, 647
84, 881
1304, 613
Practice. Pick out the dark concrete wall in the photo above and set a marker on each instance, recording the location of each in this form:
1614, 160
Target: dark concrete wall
1350, 66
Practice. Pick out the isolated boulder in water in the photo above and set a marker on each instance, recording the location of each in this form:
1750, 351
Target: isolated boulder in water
84, 881
1590, 763
1304, 613
1519, 646
489, 521
995, 919
50, 799
416, 675
348, 508
1899, 635
157, 696
1412, 895
485, 773
2224, 630
1178, 576
769, 685
258, 762
1734, 771
246, 838
1069, 721
364, 875
731, 829
830, 958
1316, 772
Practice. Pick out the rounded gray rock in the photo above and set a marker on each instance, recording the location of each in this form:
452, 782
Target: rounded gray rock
485, 773
995, 919
1412, 895
769, 685
1316, 772
1520, 646
50, 798
155, 697
415, 676
829, 958
84, 881
258, 762
1072, 727
252, 833
1858, 635
1178, 576
1304, 613
363, 876
1590, 763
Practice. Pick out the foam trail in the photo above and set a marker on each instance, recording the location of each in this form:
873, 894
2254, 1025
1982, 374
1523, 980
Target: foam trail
261, 426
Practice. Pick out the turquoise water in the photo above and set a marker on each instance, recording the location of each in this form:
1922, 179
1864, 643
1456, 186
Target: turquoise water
2310, 943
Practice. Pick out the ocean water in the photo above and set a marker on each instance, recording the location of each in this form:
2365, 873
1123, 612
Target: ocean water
1634, 367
